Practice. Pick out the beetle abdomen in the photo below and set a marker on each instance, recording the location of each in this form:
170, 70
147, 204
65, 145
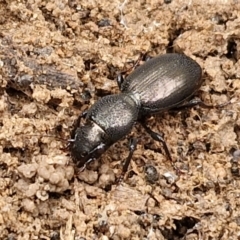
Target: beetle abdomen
164, 82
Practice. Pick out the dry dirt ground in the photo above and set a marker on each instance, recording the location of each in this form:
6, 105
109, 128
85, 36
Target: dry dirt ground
59, 57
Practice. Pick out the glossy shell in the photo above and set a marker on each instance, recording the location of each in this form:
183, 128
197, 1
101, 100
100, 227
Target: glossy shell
164, 82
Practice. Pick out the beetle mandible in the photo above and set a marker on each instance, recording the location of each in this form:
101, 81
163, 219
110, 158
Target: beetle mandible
162, 83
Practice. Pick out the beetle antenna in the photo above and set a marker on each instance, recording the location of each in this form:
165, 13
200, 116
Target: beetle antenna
38, 135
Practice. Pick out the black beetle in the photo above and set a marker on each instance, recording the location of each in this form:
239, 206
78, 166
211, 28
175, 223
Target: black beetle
162, 83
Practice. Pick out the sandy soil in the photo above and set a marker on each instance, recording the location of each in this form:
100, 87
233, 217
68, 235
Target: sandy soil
59, 57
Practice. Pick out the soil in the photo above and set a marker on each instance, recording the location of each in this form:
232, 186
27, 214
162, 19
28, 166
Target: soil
56, 59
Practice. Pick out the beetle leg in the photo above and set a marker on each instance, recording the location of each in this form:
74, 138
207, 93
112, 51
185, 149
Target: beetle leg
143, 57
196, 101
132, 148
120, 80
146, 57
81, 116
77, 124
159, 138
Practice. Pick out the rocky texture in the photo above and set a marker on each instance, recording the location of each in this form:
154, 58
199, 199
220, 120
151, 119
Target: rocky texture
59, 57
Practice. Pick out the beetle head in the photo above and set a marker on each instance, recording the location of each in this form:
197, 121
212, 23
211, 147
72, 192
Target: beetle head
88, 144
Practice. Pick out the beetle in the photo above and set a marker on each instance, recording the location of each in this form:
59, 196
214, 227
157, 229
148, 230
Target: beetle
160, 84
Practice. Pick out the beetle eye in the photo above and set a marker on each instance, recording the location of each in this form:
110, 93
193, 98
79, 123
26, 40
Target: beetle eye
84, 154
